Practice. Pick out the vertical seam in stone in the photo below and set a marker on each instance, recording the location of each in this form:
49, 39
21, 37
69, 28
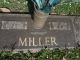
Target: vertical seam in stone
74, 28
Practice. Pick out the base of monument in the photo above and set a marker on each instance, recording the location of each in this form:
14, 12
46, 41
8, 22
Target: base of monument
17, 33
36, 26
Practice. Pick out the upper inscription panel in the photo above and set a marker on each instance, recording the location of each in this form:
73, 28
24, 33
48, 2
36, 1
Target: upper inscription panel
14, 25
59, 25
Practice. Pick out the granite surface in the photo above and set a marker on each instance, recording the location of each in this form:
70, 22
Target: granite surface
17, 32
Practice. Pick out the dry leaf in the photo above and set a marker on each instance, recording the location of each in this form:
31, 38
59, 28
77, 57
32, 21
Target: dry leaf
53, 13
64, 58
5, 10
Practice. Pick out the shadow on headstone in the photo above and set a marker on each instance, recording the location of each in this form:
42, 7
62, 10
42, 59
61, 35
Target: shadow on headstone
9, 48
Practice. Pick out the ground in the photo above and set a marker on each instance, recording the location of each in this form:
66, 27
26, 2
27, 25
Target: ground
27, 6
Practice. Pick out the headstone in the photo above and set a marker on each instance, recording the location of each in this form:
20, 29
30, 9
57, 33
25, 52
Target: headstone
17, 33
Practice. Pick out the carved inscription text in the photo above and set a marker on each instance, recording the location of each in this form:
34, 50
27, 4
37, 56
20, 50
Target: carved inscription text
14, 25
59, 26
31, 41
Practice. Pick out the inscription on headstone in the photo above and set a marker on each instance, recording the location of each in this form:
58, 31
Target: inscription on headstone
14, 25
59, 26
38, 32
31, 41
57, 32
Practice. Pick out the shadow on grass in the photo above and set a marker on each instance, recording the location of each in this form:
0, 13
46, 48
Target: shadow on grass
30, 6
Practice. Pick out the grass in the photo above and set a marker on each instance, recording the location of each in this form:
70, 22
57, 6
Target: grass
57, 54
15, 5
72, 9
27, 6
69, 8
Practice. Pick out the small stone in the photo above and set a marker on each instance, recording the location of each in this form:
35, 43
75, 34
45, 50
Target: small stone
18, 2
64, 58
51, 58
4, 0
47, 56
62, 14
70, 4
53, 13
68, 43
25, 51
69, 52
72, 12
77, 56
16, 52
26, 2
8, 2
53, 7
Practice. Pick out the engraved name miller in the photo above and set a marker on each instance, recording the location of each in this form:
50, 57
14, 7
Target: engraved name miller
31, 41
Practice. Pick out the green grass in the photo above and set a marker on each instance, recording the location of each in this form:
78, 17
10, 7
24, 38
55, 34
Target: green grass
15, 5
19, 6
44, 54
66, 9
